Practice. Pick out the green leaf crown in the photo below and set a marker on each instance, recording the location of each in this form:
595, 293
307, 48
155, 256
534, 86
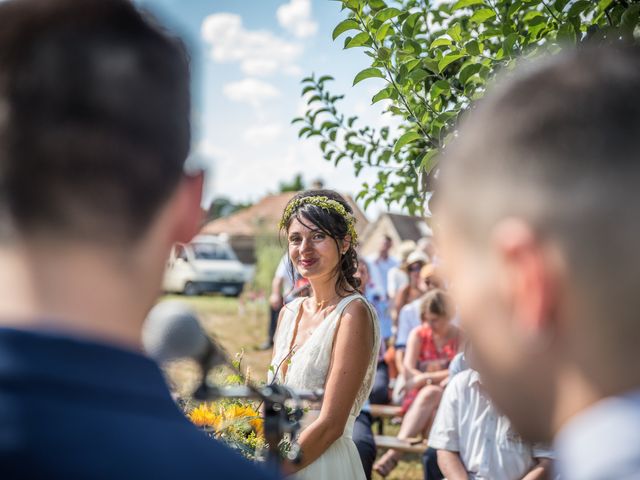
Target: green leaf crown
326, 204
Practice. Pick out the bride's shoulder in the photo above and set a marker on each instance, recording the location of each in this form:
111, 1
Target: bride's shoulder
357, 311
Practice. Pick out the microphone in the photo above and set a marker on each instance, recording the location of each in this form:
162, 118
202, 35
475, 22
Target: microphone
172, 331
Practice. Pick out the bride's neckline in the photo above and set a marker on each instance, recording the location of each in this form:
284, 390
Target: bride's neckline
292, 347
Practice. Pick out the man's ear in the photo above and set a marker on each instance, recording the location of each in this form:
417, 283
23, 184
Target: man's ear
529, 282
187, 210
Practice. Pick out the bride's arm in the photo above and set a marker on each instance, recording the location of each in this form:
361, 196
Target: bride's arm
351, 355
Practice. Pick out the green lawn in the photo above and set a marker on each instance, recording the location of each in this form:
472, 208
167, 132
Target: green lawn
239, 327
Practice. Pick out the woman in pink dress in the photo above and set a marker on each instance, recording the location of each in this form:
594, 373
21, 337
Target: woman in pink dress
430, 349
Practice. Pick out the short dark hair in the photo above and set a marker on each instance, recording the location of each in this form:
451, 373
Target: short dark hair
94, 118
557, 144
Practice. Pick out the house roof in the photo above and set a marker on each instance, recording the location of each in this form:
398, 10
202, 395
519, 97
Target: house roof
408, 227
264, 217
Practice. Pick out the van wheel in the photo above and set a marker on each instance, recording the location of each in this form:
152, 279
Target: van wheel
190, 289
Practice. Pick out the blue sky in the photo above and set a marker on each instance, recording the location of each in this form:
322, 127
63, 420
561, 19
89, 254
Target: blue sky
248, 59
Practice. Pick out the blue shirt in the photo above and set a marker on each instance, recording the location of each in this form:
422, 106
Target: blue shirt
602, 442
73, 409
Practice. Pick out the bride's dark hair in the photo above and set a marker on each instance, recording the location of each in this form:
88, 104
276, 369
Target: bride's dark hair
332, 223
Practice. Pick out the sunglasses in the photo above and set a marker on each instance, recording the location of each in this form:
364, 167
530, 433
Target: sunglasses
416, 267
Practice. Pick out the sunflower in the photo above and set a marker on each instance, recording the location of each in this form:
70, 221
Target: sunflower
205, 416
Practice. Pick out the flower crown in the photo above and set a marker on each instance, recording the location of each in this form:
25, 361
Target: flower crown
326, 204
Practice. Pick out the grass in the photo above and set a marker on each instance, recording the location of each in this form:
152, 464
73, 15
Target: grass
240, 326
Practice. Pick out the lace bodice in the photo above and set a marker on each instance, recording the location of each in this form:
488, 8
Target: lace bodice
309, 364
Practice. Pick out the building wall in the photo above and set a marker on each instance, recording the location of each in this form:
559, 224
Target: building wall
375, 234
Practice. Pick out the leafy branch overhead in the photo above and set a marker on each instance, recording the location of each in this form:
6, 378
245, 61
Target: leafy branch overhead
435, 58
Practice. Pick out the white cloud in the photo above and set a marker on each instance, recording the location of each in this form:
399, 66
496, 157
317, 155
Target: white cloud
250, 90
259, 52
295, 17
262, 134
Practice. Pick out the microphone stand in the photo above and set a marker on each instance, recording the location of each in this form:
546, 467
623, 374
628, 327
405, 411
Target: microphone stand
283, 406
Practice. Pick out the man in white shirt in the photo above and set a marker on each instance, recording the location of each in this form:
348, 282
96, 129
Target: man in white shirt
475, 441
538, 221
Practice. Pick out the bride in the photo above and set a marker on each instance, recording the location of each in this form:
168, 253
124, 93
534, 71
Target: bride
329, 340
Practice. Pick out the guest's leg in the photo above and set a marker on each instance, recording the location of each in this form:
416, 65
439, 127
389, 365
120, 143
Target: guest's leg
365, 443
414, 423
430, 464
421, 412
380, 392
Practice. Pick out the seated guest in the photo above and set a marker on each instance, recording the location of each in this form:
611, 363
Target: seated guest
414, 289
476, 441
430, 457
408, 319
430, 349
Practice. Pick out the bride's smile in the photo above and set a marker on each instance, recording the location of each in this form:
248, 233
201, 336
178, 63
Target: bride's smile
314, 253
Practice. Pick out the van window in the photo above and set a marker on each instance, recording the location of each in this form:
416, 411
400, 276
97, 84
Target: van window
210, 251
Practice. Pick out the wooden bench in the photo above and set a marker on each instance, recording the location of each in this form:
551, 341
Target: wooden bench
380, 412
412, 445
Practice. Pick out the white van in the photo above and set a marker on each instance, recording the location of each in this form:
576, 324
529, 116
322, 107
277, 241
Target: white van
205, 265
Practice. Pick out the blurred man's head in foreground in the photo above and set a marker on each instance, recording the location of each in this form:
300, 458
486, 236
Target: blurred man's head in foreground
539, 221
94, 120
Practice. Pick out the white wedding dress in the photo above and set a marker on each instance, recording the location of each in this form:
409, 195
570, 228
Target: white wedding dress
308, 370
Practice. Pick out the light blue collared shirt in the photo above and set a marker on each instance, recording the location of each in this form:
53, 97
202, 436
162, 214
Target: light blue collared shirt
603, 442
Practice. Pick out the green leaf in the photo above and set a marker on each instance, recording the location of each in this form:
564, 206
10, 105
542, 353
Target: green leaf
448, 60
430, 64
377, 4
466, 3
566, 33
429, 160
308, 89
325, 78
368, 73
383, 94
384, 53
455, 32
439, 87
345, 25
382, 32
579, 7
472, 47
440, 42
408, 137
604, 4
386, 14
357, 41
302, 131
629, 18
418, 74
482, 15
467, 71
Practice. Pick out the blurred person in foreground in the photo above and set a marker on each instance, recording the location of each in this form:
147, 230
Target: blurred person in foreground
94, 132
542, 174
